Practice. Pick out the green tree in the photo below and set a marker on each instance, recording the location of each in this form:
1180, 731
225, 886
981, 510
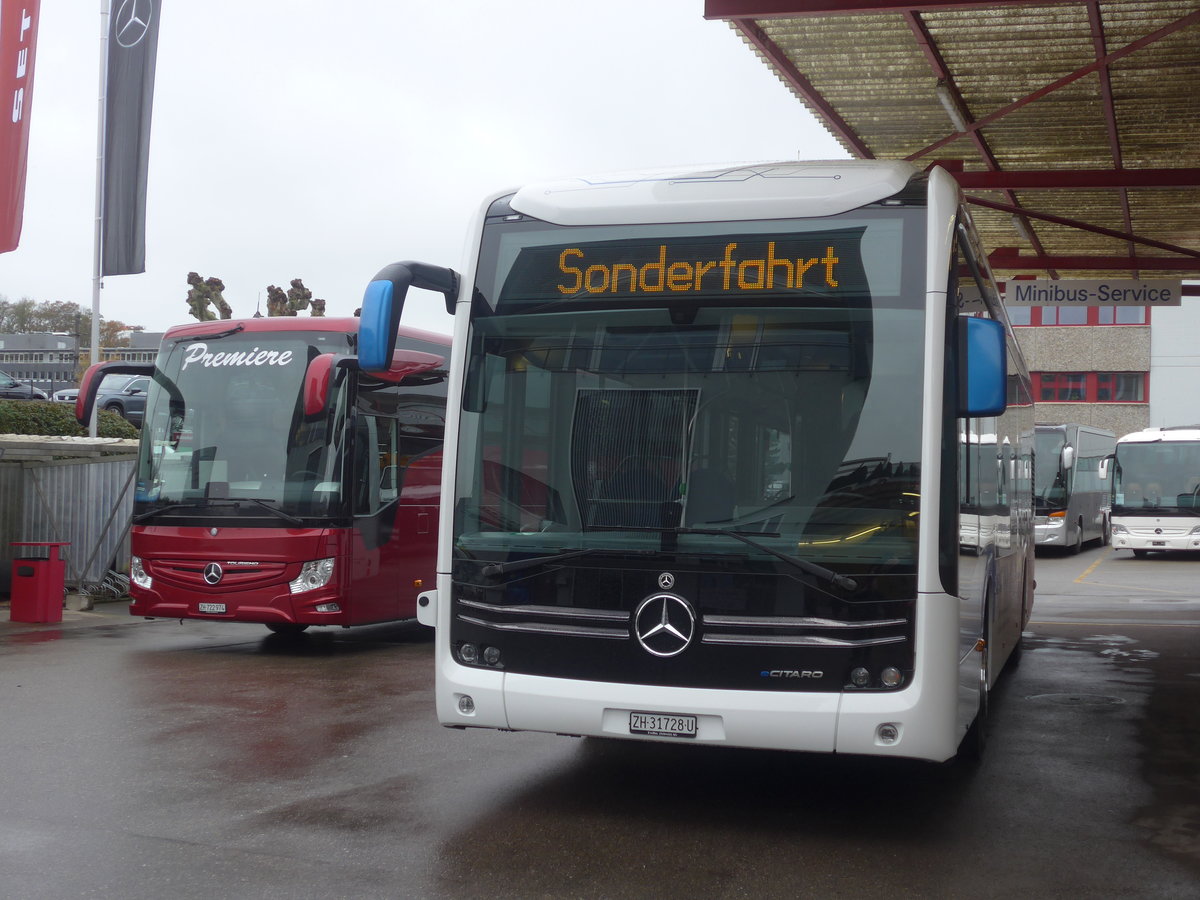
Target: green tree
16, 317
28, 316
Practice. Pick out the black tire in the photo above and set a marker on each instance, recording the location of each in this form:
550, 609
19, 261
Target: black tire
285, 627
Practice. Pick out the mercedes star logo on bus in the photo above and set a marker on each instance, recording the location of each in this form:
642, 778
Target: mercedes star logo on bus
132, 21
666, 581
664, 624
213, 573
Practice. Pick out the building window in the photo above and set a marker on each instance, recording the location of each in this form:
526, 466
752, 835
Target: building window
1064, 315
1121, 315
1120, 387
1020, 315
1090, 387
1061, 387
1079, 315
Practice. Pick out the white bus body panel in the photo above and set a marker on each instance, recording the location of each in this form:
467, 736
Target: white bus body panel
1050, 532
717, 193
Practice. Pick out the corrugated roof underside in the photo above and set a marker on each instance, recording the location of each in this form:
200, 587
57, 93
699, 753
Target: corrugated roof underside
871, 69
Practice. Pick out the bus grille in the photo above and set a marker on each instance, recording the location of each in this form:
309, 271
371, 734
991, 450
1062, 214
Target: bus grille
765, 631
189, 574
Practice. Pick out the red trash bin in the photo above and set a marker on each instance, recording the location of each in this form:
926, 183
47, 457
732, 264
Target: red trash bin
37, 584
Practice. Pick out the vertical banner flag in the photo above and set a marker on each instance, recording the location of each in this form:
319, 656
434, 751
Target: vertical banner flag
128, 99
18, 37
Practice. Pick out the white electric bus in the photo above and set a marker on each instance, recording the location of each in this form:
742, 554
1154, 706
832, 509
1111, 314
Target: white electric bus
1156, 490
703, 461
1071, 495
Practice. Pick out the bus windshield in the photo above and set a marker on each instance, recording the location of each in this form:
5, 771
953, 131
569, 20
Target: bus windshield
1163, 476
602, 411
1049, 479
225, 422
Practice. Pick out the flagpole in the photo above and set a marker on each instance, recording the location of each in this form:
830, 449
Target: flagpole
98, 246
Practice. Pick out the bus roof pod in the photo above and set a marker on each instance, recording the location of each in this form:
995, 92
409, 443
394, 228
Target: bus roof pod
773, 190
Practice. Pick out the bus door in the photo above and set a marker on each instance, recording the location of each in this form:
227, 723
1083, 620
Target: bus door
396, 478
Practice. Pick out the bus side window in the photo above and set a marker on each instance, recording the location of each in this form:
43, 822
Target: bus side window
375, 463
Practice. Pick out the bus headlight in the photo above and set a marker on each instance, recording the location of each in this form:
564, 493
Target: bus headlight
1117, 529
137, 574
313, 574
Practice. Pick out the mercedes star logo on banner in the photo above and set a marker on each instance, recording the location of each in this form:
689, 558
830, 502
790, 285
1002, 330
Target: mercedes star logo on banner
131, 22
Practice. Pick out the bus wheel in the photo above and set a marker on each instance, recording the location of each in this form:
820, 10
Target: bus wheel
285, 627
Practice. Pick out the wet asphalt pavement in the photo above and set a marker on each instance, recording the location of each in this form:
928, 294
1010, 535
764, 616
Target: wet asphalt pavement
153, 759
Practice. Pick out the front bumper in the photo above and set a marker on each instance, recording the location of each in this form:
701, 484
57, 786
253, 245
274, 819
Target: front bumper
1156, 539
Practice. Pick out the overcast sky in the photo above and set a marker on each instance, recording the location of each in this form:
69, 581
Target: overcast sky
318, 140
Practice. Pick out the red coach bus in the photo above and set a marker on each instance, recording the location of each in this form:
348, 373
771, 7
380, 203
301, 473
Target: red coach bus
279, 484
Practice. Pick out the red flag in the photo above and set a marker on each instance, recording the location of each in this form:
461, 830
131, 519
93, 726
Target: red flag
18, 38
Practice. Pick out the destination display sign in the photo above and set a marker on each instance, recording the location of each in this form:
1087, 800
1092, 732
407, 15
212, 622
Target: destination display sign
1095, 292
825, 264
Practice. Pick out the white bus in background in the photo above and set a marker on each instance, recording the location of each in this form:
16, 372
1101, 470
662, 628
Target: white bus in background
1071, 494
703, 461
1156, 490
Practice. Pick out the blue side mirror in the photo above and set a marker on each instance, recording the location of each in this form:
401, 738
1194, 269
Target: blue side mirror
982, 368
383, 302
377, 327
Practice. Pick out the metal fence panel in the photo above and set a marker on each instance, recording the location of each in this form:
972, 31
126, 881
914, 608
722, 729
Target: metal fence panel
86, 502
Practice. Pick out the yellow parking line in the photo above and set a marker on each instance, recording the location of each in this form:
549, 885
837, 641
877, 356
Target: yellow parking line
1090, 569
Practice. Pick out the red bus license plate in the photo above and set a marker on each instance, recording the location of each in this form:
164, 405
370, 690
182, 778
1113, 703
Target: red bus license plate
663, 724
211, 607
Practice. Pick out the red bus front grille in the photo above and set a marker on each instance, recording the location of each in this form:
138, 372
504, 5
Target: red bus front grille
189, 573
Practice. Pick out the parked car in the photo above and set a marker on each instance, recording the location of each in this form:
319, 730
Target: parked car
66, 395
11, 389
126, 399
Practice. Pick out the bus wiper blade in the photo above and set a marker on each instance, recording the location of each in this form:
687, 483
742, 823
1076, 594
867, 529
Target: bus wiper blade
804, 565
212, 337
518, 565
150, 514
